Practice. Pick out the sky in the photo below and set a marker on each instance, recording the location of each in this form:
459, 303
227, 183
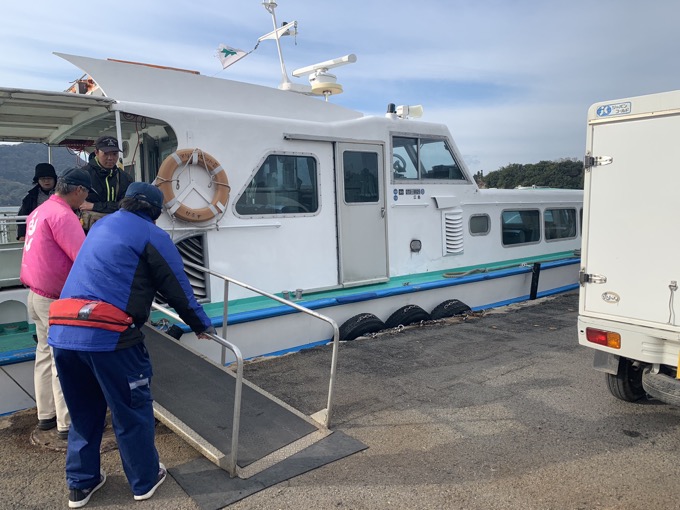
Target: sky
512, 79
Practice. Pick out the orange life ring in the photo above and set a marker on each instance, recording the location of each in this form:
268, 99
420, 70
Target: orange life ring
218, 178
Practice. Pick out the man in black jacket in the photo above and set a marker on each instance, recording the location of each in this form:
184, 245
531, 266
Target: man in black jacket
45, 179
108, 181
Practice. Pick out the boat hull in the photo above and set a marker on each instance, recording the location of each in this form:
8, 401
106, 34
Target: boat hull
280, 330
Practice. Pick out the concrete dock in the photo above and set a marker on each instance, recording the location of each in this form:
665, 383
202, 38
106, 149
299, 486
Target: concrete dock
501, 410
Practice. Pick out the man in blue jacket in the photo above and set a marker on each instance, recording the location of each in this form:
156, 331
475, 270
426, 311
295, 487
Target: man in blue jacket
124, 261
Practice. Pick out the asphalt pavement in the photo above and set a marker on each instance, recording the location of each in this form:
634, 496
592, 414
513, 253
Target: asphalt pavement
500, 410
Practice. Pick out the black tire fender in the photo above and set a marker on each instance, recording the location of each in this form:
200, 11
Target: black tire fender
406, 315
359, 325
449, 308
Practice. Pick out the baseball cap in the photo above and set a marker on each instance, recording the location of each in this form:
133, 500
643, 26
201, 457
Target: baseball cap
147, 192
77, 177
106, 144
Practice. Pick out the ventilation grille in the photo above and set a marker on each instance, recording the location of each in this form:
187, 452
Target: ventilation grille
191, 250
453, 232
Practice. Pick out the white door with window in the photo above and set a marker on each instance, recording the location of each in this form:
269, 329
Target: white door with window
362, 236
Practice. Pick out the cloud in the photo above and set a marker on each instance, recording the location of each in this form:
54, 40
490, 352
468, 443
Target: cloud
512, 79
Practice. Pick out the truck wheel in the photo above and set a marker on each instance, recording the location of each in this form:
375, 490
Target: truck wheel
627, 383
662, 386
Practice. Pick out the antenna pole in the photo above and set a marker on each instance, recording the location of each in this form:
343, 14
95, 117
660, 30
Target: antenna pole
270, 5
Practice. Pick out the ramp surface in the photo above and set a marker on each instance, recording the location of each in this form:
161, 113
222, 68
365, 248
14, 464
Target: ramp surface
200, 395
211, 488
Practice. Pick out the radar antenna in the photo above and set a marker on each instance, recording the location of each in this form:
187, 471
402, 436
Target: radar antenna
321, 81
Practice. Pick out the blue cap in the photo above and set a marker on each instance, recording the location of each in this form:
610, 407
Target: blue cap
145, 191
77, 177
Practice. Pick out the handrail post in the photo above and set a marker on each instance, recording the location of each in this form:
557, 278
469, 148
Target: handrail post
334, 367
225, 311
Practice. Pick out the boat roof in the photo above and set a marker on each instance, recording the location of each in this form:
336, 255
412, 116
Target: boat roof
52, 117
142, 83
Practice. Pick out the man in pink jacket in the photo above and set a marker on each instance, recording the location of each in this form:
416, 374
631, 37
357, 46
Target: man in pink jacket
53, 238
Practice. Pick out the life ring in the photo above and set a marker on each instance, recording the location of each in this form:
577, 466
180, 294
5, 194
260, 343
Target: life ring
218, 178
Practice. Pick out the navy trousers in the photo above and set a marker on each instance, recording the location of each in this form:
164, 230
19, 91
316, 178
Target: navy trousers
120, 379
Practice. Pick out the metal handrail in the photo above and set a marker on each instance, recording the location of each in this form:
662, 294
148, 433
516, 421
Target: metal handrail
236, 423
336, 330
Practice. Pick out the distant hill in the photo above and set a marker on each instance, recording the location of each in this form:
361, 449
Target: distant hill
17, 167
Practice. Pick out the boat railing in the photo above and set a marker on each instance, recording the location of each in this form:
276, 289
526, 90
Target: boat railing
323, 416
10, 249
9, 221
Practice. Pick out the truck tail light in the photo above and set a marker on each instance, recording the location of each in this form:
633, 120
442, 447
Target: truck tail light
606, 338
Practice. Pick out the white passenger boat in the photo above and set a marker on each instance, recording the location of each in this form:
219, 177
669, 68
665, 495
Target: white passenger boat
374, 221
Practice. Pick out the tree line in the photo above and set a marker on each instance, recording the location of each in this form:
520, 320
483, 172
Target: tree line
17, 167
564, 173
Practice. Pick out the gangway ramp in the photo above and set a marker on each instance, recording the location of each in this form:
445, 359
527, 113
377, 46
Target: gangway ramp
194, 397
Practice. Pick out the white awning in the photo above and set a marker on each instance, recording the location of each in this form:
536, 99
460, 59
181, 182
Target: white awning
53, 117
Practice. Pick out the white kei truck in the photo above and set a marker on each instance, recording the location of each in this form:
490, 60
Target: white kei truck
630, 256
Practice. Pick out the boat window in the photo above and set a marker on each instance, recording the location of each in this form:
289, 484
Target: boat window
559, 224
284, 184
479, 224
521, 227
424, 159
360, 171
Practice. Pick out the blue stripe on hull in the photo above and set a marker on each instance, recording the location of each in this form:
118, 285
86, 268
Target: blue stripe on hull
280, 310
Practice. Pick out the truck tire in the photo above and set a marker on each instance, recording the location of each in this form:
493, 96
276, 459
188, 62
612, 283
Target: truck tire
626, 385
662, 387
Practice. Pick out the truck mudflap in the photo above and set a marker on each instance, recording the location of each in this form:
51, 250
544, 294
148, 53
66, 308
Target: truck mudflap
606, 362
662, 386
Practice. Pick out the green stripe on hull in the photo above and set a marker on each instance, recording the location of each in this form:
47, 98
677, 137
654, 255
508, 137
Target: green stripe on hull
257, 303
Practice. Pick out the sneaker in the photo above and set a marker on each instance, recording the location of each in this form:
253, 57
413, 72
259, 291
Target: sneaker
162, 473
63, 434
47, 424
79, 497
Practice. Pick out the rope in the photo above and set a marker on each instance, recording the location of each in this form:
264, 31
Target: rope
487, 269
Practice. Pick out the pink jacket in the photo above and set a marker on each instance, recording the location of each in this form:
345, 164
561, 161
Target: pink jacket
53, 238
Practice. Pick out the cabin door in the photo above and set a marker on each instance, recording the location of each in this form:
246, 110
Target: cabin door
362, 235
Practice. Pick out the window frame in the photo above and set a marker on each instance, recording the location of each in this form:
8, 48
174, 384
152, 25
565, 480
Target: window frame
557, 239
523, 243
488, 224
254, 173
450, 147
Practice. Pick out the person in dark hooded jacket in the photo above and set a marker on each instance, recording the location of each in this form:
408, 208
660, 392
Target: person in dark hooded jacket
108, 181
45, 179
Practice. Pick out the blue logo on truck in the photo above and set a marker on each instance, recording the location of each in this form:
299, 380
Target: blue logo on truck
609, 110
